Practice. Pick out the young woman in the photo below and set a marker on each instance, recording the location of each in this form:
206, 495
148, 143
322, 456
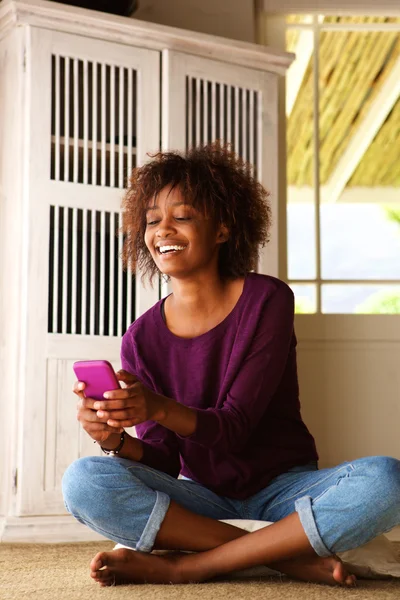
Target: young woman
211, 386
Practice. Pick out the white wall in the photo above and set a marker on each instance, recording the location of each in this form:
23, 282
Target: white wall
227, 18
348, 364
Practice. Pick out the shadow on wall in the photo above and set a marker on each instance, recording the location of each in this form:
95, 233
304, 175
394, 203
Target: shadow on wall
124, 8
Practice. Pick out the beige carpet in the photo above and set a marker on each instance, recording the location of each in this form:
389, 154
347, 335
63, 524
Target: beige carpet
60, 572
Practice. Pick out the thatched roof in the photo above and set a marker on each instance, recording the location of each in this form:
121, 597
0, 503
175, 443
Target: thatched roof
354, 66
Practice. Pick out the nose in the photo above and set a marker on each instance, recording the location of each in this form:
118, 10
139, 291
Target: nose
165, 228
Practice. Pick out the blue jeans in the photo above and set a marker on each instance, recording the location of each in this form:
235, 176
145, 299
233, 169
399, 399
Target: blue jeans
340, 508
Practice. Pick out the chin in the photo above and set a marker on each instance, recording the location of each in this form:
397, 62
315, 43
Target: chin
175, 273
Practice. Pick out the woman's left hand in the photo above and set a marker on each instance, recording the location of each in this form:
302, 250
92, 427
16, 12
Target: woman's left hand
130, 405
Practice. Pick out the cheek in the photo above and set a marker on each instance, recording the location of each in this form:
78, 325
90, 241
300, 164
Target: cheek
147, 240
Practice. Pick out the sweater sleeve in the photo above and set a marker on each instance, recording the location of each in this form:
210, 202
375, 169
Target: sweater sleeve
229, 427
160, 445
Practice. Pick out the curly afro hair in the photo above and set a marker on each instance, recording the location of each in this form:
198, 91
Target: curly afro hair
215, 181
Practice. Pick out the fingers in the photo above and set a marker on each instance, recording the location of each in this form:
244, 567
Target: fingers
132, 390
112, 414
125, 377
110, 405
126, 423
118, 415
98, 427
90, 416
87, 411
86, 415
78, 388
92, 423
86, 402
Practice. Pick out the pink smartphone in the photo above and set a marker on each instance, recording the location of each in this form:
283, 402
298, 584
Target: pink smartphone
98, 375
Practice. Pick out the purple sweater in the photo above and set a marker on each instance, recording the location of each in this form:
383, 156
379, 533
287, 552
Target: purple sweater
241, 379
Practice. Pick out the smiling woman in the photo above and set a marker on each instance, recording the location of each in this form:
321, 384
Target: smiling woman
174, 194
212, 389
180, 238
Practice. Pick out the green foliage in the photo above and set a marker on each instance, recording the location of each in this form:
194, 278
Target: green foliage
393, 214
384, 302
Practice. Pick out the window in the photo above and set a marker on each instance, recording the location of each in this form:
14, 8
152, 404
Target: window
343, 165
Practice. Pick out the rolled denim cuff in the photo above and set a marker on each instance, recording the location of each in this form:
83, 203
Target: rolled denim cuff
303, 508
146, 541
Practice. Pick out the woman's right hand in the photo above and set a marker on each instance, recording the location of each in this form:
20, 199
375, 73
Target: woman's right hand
87, 415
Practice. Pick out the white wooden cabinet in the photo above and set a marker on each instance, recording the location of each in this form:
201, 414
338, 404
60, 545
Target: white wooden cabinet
84, 96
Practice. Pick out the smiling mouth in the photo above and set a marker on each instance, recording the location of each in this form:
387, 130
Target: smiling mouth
168, 250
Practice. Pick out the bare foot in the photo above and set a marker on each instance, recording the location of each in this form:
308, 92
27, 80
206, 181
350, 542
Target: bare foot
127, 566
317, 569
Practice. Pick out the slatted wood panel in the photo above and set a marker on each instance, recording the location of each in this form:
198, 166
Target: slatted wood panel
93, 122
89, 292
217, 111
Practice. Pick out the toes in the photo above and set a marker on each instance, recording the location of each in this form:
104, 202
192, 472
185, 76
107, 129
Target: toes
350, 580
341, 575
107, 582
338, 573
98, 561
103, 577
100, 569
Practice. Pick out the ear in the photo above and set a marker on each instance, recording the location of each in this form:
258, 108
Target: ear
222, 234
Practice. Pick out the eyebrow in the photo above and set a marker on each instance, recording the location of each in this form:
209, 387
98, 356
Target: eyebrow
155, 206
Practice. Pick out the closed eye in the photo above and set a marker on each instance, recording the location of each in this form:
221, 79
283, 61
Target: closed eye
176, 219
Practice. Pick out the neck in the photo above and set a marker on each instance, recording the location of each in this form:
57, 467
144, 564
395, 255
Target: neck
198, 295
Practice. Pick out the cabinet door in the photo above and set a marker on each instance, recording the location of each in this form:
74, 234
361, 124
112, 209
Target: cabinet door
92, 114
206, 100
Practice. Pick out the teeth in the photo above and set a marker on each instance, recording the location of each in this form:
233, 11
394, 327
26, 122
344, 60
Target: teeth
166, 248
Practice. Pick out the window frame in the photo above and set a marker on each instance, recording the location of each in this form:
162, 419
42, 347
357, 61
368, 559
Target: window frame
271, 30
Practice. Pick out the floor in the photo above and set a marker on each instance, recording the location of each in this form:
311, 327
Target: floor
60, 571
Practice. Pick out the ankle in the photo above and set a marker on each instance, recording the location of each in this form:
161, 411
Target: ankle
180, 570
193, 568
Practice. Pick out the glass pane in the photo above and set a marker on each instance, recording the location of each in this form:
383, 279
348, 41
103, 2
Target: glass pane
296, 19
300, 156
359, 152
294, 35
360, 241
378, 172
305, 298
301, 239
360, 299
359, 19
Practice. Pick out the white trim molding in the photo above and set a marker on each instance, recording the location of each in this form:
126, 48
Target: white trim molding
38, 530
58, 530
297, 70
344, 7
350, 195
132, 32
